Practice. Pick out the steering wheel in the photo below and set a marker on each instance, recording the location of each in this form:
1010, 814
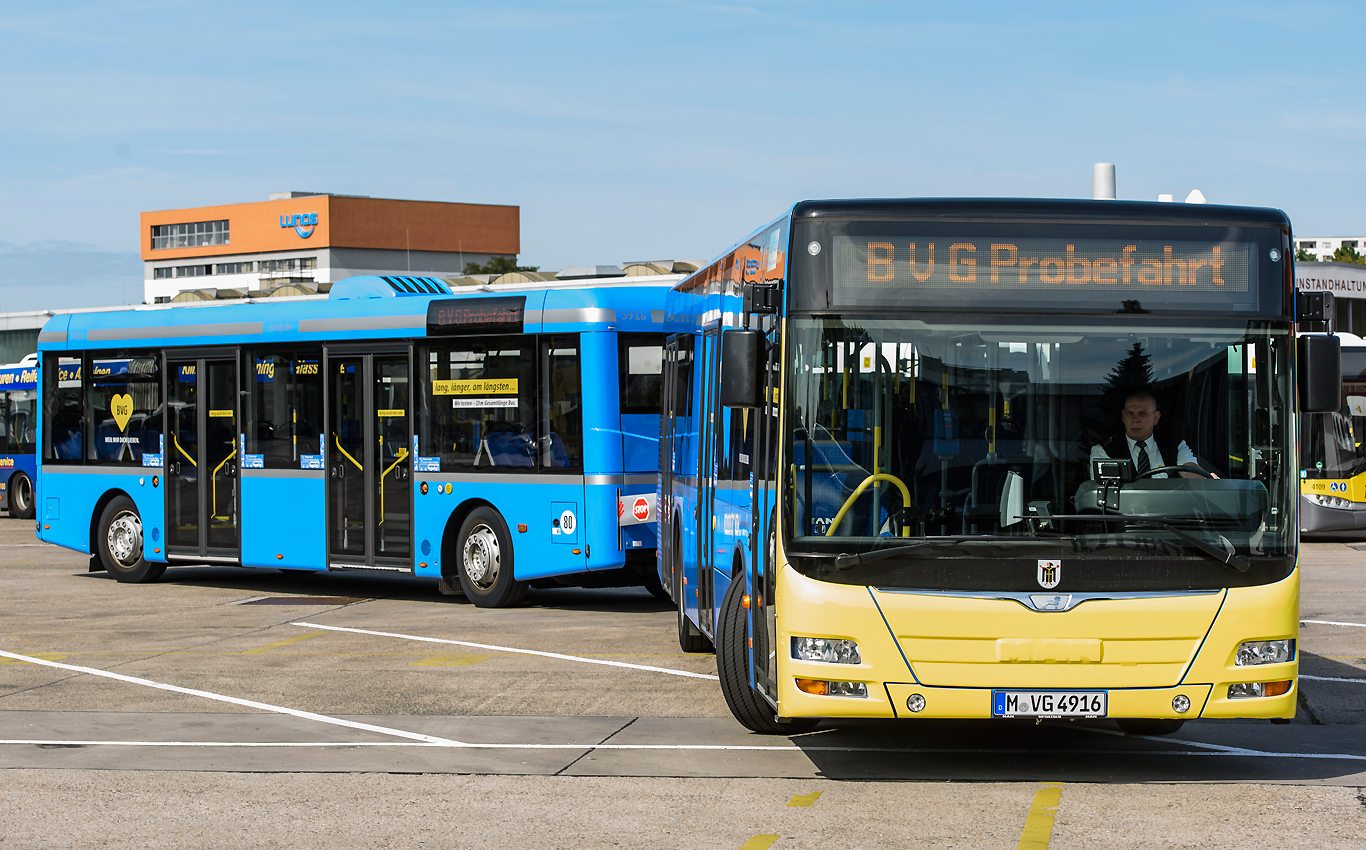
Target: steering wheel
1171, 469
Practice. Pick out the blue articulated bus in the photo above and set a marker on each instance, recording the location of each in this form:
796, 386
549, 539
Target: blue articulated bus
491, 440
18, 425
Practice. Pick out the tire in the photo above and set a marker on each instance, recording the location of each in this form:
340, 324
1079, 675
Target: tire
1149, 725
119, 540
732, 665
484, 561
651, 582
690, 638
21, 496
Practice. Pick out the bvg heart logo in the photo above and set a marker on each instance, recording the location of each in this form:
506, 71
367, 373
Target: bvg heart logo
122, 408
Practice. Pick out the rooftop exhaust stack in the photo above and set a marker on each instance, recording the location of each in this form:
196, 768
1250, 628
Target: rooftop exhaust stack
1103, 181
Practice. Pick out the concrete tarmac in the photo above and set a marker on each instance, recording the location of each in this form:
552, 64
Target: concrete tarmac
245, 718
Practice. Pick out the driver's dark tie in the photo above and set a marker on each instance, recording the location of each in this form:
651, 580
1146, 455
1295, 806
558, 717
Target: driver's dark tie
1143, 463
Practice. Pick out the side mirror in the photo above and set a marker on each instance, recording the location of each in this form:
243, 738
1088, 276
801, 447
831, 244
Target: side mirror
1319, 363
740, 367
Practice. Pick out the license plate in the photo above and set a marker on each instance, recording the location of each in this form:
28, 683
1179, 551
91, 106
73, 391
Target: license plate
1049, 703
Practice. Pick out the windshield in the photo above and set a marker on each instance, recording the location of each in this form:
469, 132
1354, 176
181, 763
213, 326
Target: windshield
997, 438
1331, 443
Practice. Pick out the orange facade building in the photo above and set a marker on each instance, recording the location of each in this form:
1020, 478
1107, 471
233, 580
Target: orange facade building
299, 242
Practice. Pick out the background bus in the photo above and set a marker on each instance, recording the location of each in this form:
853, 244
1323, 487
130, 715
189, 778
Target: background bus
18, 425
880, 491
1332, 458
488, 440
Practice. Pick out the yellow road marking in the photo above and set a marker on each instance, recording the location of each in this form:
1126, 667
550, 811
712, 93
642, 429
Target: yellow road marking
760, 842
46, 656
285, 642
1038, 828
804, 800
449, 661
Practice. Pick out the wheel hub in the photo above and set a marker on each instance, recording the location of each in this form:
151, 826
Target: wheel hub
125, 539
482, 557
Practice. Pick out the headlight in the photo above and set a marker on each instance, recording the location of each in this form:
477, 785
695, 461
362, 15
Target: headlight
1255, 652
828, 650
1250, 690
822, 688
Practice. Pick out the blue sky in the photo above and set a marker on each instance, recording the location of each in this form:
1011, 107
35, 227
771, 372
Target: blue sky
652, 130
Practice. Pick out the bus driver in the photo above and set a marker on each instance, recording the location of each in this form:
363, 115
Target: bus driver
1140, 443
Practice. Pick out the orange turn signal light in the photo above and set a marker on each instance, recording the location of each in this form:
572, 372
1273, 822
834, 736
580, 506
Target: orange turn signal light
1275, 689
521, 529
813, 686
744, 601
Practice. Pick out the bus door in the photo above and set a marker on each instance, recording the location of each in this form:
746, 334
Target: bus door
674, 419
706, 479
764, 531
201, 458
369, 463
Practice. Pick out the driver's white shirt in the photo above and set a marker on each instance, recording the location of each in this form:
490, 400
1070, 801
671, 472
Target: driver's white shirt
1183, 454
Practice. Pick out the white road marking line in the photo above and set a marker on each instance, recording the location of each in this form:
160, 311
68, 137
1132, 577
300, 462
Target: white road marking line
580, 659
1332, 623
1237, 753
1332, 679
277, 709
1217, 748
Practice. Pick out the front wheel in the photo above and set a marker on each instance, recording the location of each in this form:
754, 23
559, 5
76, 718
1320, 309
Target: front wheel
21, 496
732, 666
485, 561
119, 538
1149, 725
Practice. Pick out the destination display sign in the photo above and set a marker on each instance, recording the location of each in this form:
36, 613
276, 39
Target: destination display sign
476, 315
1072, 265
1037, 267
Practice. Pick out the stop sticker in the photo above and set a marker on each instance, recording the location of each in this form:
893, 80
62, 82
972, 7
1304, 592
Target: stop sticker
641, 509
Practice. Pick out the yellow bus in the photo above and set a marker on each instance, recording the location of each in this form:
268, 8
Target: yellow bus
991, 459
1333, 456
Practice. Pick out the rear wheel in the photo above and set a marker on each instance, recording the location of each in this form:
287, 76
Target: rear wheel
732, 665
690, 638
649, 579
21, 496
485, 561
1149, 725
119, 539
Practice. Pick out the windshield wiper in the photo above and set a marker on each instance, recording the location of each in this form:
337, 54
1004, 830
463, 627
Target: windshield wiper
1223, 556
848, 562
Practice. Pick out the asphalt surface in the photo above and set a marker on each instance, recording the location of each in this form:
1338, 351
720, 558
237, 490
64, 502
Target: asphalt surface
368, 711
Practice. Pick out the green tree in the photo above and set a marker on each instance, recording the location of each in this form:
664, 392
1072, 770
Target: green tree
1134, 372
1304, 255
1345, 254
498, 265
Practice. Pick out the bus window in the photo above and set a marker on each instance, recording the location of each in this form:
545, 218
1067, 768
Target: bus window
64, 437
479, 404
640, 360
125, 404
561, 404
284, 409
22, 420
741, 435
